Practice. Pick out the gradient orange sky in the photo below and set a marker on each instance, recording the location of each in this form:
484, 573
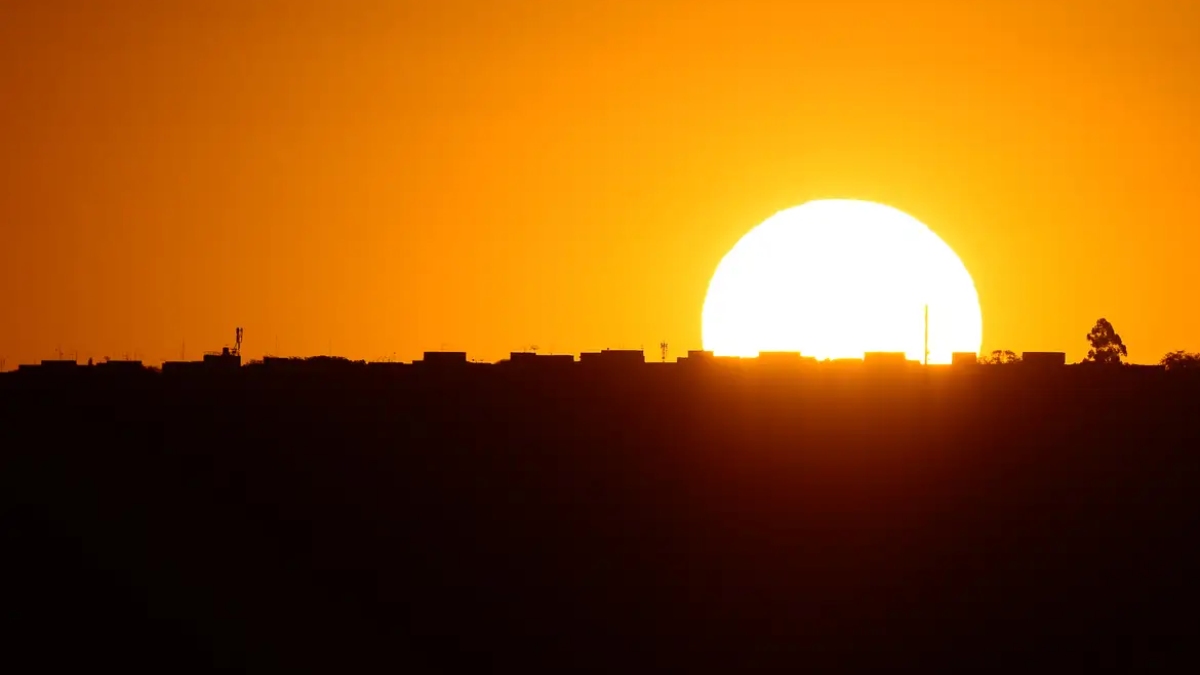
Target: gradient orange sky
390, 177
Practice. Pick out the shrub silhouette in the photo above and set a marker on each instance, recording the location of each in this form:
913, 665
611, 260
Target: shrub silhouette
1000, 357
1180, 360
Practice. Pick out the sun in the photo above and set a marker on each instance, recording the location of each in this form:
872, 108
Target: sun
836, 278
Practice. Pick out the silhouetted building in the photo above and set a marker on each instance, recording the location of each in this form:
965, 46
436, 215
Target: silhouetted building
885, 359
277, 362
224, 359
444, 358
614, 357
120, 366
964, 359
182, 367
695, 357
785, 361
526, 360
1043, 359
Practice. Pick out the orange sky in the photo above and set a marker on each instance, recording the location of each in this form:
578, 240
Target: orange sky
389, 177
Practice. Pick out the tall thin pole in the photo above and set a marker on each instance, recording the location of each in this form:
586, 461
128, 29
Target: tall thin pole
926, 334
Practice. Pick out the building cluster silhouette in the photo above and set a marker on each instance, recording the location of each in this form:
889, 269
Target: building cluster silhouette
230, 360
1107, 348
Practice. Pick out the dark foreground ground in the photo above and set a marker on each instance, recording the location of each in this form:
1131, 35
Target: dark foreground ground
592, 522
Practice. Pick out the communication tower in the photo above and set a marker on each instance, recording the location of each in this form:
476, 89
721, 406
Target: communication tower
663, 346
237, 344
926, 334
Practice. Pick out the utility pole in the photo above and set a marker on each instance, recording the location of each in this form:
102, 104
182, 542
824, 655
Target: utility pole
927, 334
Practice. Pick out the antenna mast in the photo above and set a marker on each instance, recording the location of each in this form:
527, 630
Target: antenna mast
237, 345
663, 346
927, 334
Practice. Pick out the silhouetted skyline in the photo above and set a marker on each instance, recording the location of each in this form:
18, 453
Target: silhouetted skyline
1107, 347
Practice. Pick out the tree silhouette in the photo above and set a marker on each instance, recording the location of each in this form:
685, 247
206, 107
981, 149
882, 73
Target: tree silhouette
1000, 357
1107, 347
1181, 360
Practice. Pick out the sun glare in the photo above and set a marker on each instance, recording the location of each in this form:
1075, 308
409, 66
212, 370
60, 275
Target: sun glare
837, 278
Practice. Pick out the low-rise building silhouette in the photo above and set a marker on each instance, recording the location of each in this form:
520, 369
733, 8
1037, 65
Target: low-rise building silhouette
779, 358
961, 359
182, 367
1043, 359
50, 366
885, 359
443, 359
788, 362
120, 365
614, 357
531, 360
223, 359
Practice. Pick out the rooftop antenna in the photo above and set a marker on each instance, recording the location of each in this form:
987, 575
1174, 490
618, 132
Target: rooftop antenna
237, 345
926, 334
663, 346
58, 350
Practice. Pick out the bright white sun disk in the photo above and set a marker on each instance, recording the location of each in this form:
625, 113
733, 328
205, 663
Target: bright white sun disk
837, 278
